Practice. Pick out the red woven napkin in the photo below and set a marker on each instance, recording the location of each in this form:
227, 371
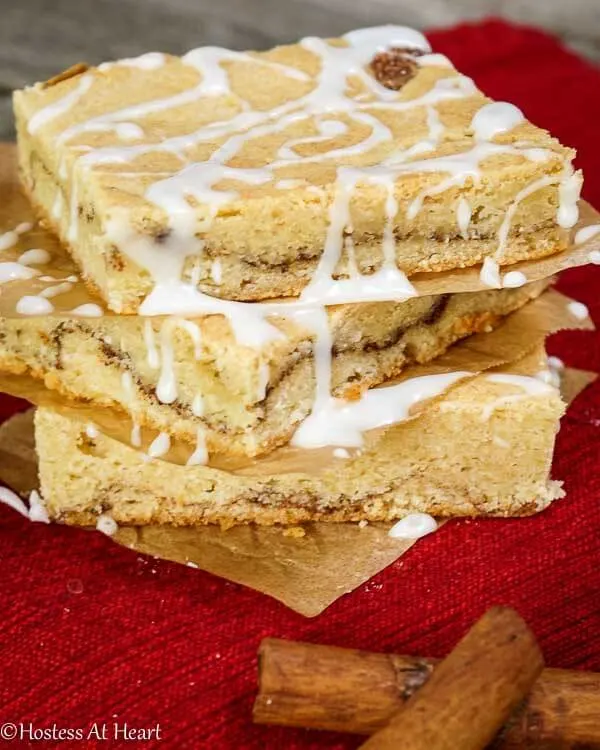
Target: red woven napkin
93, 633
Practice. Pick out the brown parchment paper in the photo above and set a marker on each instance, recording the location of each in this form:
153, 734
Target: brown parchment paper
518, 335
307, 574
15, 209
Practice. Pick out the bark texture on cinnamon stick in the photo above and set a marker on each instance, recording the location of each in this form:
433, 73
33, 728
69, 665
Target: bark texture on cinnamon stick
325, 687
472, 692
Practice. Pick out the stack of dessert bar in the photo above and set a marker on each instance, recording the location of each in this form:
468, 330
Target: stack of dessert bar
256, 232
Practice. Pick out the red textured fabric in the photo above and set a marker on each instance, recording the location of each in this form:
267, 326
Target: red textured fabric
90, 631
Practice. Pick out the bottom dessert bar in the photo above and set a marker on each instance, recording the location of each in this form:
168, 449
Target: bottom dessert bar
483, 448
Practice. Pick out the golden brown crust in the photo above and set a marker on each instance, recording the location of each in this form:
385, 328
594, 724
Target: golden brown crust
290, 516
72, 72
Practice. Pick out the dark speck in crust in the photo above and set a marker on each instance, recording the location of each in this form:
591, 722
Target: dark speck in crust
162, 236
115, 259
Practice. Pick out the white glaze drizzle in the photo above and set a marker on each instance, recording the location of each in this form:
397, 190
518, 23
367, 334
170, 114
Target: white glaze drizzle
8, 239
249, 321
73, 230
127, 385
214, 83
433, 59
166, 388
532, 386
136, 435
594, 257
549, 376
10, 498
200, 455
463, 217
106, 525
536, 185
490, 276
152, 356
57, 206
198, 405
216, 271
88, 310
555, 363
193, 331
60, 106
494, 119
264, 376
341, 423
147, 61
578, 310
34, 305
37, 508
328, 129
289, 184
53, 291
413, 526
13, 271
490, 273
341, 453
514, 279
36, 512
569, 189
35, 256
160, 445
585, 234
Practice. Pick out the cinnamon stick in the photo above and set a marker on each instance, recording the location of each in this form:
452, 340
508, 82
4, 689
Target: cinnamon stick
472, 693
325, 687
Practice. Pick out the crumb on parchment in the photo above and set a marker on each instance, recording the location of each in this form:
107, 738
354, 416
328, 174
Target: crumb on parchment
294, 531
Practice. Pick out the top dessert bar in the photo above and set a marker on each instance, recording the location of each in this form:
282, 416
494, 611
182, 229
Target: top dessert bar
326, 169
